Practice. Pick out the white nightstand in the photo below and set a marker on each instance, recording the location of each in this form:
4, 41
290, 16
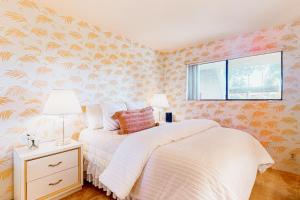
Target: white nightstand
49, 172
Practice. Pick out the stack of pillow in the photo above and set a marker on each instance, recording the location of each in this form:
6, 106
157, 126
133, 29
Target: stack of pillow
125, 117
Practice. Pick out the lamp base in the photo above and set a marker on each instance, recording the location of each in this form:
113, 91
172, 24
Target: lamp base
62, 142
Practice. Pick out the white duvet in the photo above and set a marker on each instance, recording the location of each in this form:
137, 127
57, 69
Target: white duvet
193, 159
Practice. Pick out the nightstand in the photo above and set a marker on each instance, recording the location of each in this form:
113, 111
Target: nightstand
49, 172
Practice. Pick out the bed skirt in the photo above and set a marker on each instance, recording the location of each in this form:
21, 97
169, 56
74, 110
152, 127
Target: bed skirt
91, 173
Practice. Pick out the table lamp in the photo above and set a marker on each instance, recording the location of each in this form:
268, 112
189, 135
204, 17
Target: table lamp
160, 101
62, 103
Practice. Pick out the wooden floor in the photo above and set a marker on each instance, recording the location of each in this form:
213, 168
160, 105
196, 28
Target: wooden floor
271, 185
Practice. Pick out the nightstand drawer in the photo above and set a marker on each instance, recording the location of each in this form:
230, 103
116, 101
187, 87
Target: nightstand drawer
48, 165
53, 183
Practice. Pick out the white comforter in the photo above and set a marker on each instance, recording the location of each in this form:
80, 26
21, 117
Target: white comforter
196, 159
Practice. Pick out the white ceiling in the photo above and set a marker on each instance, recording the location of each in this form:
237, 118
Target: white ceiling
169, 24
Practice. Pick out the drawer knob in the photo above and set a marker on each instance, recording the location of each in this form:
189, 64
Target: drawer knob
52, 184
54, 165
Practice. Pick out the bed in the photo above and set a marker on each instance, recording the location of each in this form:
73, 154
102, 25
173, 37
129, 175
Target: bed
192, 159
99, 146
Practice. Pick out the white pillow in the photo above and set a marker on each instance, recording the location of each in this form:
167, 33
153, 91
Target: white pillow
94, 116
135, 105
108, 110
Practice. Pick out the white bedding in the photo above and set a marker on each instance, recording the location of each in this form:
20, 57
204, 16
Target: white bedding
194, 159
99, 146
137, 148
217, 164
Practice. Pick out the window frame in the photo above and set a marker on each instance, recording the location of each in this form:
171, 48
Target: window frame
226, 79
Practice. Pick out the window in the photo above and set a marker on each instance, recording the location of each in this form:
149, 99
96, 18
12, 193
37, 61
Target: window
249, 78
255, 77
207, 81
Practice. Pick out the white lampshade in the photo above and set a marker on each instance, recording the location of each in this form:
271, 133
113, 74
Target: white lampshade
62, 102
160, 101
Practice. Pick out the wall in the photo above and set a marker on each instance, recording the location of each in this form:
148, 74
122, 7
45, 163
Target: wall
41, 50
274, 123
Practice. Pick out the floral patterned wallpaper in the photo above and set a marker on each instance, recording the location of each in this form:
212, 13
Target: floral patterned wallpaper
41, 50
276, 124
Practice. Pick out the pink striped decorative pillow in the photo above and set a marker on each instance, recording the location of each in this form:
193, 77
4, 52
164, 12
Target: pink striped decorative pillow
135, 120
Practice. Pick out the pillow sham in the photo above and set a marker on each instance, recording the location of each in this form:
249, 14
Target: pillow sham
94, 116
108, 110
135, 120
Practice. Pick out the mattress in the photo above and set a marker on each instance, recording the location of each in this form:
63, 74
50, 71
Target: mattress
99, 146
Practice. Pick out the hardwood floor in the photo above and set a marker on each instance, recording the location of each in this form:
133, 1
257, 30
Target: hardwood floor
271, 185
276, 185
